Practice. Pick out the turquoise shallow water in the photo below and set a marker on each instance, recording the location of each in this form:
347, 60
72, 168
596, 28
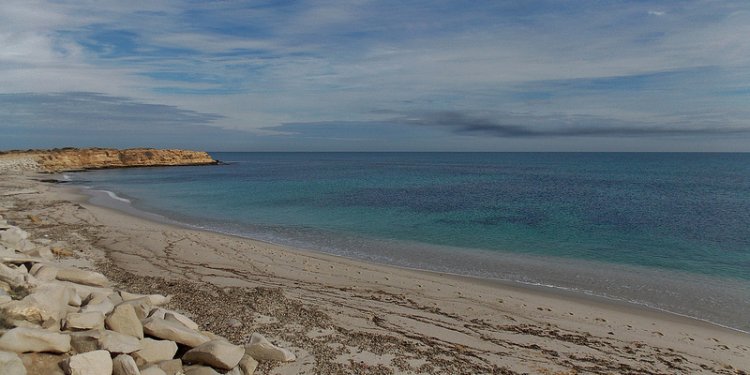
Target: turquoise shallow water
667, 230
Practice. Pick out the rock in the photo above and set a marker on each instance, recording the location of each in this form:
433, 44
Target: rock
11, 364
42, 252
124, 364
141, 305
44, 272
85, 341
174, 316
118, 343
21, 340
80, 276
45, 308
11, 276
153, 370
42, 363
217, 354
123, 319
182, 319
159, 300
167, 330
115, 298
155, 351
84, 321
234, 371
200, 370
61, 251
12, 237
96, 158
171, 367
97, 362
234, 323
88, 294
6, 252
247, 365
98, 296
213, 336
99, 302
127, 296
155, 299
261, 349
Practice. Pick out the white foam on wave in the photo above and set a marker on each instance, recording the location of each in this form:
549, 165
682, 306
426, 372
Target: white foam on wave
115, 196
65, 177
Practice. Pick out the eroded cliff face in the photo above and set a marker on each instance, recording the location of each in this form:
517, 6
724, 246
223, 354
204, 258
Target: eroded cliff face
69, 159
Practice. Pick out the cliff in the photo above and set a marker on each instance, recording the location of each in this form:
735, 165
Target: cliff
69, 159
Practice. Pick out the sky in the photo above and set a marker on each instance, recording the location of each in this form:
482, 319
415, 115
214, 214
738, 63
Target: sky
357, 75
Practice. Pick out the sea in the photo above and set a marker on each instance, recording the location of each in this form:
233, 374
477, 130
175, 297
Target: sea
669, 231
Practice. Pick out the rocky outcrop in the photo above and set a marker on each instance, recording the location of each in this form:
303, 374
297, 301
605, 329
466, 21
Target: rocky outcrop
74, 159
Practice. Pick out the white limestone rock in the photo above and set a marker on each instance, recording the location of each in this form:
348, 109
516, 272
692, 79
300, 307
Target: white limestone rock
84, 277
155, 299
11, 364
85, 341
153, 351
84, 321
11, 276
97, 362
124, 364
141, 305
6, 252
261, 349
44, 272
167, 330
43, 252
45, 307
13, 237
123, 319
23, 340
118, 343
247, 365
153, 370
217, 354
171, 367
173, 316
99, 302
200, 370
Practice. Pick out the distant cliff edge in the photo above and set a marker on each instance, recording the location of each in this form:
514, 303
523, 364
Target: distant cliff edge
71, 159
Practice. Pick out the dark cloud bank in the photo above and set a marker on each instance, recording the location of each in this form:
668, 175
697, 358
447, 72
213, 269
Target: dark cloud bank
512, 125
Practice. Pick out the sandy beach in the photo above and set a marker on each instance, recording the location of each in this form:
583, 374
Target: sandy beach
341, 316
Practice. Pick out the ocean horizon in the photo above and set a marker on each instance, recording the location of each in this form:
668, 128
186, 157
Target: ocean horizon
664, 230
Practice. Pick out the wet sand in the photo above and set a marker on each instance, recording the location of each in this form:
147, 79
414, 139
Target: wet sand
345, 316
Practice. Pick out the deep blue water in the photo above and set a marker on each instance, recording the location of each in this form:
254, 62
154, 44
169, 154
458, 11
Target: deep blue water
588, 221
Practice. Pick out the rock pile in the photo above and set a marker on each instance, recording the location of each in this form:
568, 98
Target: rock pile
85, 326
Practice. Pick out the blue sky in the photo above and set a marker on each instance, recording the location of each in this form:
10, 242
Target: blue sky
376, 75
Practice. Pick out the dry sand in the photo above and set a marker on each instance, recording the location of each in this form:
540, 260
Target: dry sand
344, 316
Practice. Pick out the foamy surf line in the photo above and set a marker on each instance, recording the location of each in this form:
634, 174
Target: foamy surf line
115, 196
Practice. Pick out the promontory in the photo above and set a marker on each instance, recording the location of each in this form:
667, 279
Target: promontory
72, 159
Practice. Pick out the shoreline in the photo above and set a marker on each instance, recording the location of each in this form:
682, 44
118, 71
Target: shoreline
417, 318
124, 206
